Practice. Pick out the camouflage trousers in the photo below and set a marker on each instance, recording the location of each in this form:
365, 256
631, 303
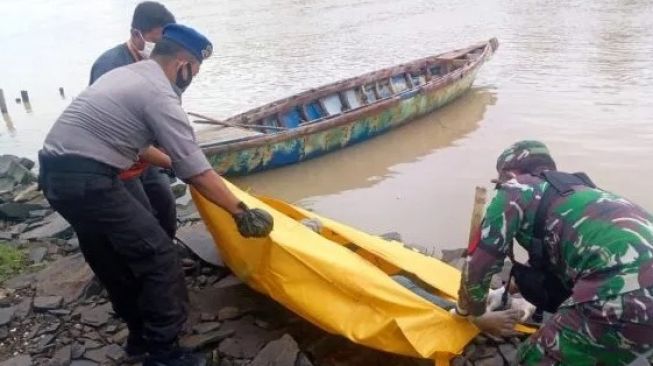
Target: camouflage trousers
614, 331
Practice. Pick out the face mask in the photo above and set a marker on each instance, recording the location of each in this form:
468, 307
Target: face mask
149, 47
183, 82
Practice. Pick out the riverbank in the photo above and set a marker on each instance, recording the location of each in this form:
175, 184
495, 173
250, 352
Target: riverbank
54, 312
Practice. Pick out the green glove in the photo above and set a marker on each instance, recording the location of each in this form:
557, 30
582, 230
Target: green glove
254, 222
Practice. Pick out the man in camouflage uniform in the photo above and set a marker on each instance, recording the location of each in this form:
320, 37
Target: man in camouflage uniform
598, 242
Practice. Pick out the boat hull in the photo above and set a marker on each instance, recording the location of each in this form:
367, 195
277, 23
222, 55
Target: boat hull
307, 142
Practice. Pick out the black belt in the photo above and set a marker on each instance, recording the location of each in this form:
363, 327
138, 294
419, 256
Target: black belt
75, 164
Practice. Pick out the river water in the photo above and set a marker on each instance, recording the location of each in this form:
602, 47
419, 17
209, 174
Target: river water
575, 74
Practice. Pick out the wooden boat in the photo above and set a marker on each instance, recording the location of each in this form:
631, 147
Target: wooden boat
337, 115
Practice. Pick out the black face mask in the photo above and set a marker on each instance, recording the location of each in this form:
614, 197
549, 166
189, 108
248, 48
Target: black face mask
181, 82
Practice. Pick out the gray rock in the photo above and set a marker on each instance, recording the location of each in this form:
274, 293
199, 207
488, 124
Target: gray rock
18, 229
91, 344
51, 326
5, 235
4, 332
12, 170
207, 317
71, 245
97, 316
6, 315
17, 211
69, 277
27, 194
44, 343
494, 360
179, 190
196, 238
21, 360
228, 281
44, 303
201, 340
115, 352
102, 355
59, 312
509, 352
37, 254
111, 329
228, 313
120, 337
63, 356
262, 324
23, 308
39, 213
302, 360
203, 328
281, 352
449, 255
248, 339
27, 163
56, 227
83, 363
20, 282
77, 350
393, 235
201, 280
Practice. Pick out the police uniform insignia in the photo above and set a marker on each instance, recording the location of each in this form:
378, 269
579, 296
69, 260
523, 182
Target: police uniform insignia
207, 51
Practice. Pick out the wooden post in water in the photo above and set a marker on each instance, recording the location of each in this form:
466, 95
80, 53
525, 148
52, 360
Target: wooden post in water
25, 97
63, 95
3, 103
480, 197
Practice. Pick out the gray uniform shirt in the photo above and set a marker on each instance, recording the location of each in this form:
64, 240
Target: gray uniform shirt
121, 114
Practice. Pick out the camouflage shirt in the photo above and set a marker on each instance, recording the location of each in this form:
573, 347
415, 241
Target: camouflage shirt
599, 242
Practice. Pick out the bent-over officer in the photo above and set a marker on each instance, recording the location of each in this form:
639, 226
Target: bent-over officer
101, 133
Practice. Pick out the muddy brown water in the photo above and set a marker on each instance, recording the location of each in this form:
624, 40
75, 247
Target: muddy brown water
576, 74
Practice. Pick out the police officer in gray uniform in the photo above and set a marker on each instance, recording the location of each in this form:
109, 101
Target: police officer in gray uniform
102, 132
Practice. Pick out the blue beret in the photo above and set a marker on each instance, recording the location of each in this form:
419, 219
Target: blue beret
190, 39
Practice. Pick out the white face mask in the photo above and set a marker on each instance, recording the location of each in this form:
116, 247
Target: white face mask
147, 50
149, 47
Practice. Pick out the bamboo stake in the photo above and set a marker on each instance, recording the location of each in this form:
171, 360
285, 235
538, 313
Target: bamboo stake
480, 198
212, 121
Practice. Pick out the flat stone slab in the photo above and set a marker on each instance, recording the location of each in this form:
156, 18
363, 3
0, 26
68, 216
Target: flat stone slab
21, 360
68, 277
44, 303
6, 315
201, 340
97, 316
55, 227
205, 327
280, 352
17, 211
37, 254
200, 242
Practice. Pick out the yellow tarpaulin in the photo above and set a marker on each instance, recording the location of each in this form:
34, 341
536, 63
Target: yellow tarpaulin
339, 279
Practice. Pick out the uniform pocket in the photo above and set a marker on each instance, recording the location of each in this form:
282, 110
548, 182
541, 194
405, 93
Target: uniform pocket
64, 187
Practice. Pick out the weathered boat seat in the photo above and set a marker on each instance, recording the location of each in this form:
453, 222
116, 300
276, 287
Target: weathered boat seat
222, 134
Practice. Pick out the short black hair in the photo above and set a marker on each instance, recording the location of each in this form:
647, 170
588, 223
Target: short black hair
167, 48
149, 15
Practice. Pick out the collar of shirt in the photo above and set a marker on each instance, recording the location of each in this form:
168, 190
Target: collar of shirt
134, 51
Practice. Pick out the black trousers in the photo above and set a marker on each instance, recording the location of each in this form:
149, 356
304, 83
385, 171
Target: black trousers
124, 245
152, 190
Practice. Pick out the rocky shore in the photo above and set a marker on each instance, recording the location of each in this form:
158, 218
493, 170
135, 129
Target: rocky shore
54, 312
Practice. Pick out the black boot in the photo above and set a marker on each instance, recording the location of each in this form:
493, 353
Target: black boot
176, 357
136, 349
